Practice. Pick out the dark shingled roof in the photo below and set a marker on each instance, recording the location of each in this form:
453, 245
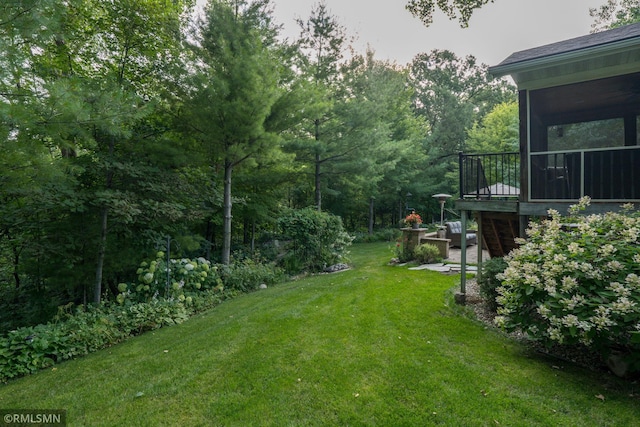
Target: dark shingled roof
571, 45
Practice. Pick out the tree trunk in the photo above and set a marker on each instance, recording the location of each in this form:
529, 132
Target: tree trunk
16, 264
16, 259
97, 289
226, 238
246, 231
317, 179
207, 237
317, 171
253, 236
104, 214
371, 215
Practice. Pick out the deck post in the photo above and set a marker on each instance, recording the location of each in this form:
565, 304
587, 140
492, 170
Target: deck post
480, 244
461, 296
461, 174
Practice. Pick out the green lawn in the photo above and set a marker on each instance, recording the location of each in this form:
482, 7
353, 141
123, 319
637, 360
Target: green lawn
376, 345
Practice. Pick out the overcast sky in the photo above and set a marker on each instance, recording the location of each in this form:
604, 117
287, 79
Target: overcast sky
495, 31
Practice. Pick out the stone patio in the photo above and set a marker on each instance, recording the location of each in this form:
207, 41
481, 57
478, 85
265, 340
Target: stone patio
452, 264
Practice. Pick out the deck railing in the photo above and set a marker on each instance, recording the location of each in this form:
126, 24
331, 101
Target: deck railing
605, 174
487, 176
602, 174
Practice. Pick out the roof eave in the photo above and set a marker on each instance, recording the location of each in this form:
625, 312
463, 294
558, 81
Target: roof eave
515, 68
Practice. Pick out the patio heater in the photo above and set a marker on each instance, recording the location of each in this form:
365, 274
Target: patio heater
442, 198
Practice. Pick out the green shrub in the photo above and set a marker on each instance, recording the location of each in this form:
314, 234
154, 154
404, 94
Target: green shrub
383, 235
247, 275
77, 333
489, 283
208, 299
153, 315
24, 351
316, 239
577, 280
427, 253
195, 286
402, 252
187, 277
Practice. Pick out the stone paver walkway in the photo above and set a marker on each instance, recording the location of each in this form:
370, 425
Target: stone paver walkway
445, 268
452, 264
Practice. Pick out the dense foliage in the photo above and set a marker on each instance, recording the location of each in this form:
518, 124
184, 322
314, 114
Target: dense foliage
497, 132
315, 240
28, 349
126, 124
489, 280
382, 235
158, 298
184, 277
577, 280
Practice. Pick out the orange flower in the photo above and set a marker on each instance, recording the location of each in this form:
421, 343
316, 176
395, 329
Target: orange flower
413, 218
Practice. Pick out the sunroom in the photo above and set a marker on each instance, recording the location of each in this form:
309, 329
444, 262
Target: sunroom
579, 107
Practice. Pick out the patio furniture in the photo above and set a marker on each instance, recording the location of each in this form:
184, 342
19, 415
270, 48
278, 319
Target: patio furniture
454, 233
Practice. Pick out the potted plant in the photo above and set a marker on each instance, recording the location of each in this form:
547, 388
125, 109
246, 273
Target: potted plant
413, 220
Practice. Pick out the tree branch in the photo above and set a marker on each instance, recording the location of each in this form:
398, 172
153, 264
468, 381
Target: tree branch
454, 9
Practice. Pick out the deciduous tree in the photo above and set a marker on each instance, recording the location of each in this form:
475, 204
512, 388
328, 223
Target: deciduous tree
452, 93
615, 13
497, 132
454, 9
84, 76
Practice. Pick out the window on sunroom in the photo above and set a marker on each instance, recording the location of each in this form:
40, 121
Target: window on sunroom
586, 135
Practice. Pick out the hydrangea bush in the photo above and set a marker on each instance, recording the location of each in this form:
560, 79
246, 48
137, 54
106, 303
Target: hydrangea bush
576, 280
195, 285
187, 277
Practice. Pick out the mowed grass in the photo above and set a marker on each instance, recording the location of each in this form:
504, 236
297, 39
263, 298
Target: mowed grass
374, 346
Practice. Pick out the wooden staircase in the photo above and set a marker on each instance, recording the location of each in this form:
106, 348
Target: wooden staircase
499, 231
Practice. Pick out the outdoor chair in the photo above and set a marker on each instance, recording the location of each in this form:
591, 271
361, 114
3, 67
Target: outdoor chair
454, 233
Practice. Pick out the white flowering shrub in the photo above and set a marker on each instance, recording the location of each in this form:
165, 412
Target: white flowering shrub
187, 277
195, 285
576, 280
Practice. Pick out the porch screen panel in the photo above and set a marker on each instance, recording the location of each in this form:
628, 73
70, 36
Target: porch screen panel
555, 176
612, 175
586, 135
